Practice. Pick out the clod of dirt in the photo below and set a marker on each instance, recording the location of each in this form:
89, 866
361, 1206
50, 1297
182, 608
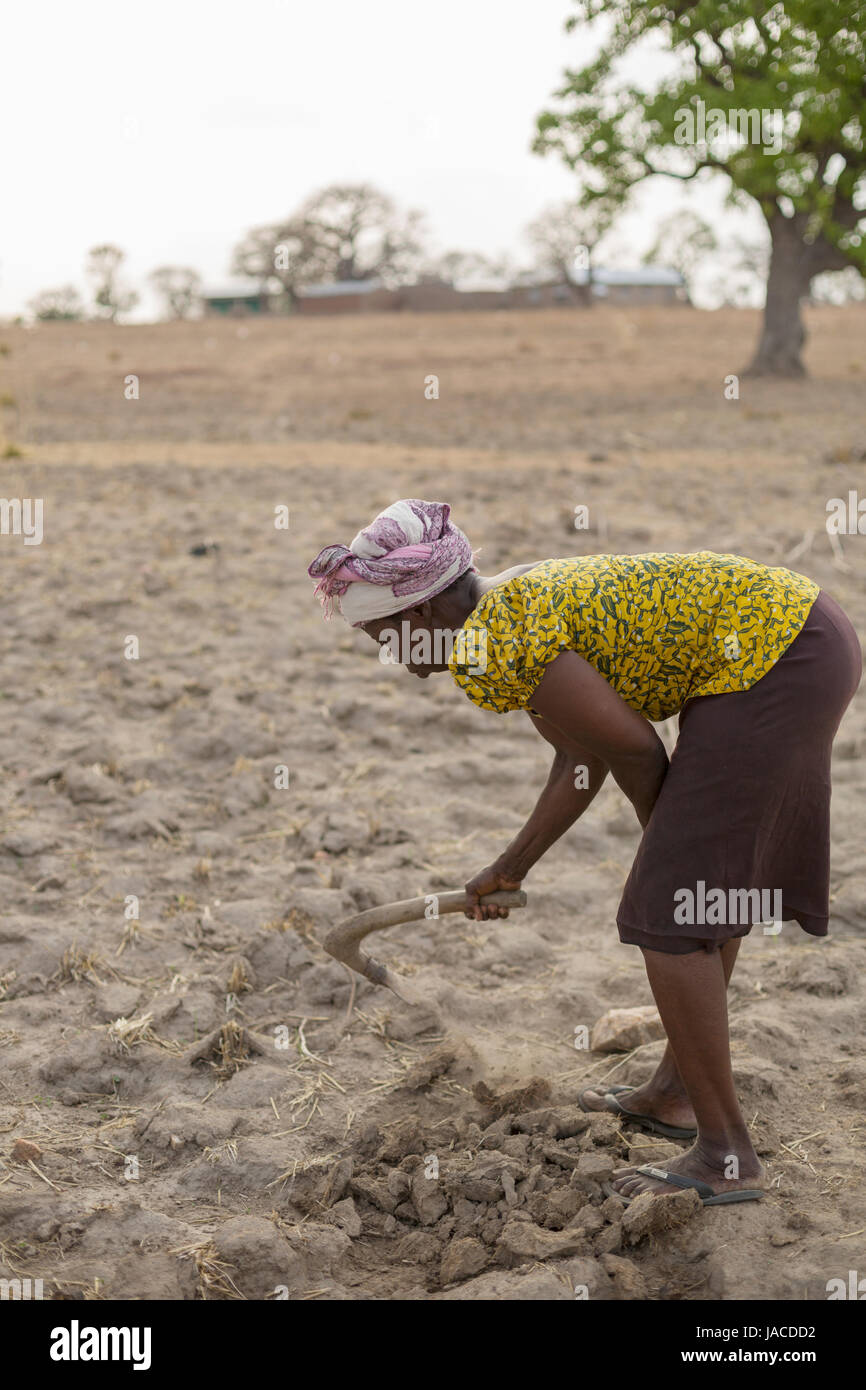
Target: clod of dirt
606, 1131
608, 1240
337, 1181
496, 1133
589, 1220
464, 1258
621, 1030
374, 1191
488, 1178
591, 1171
554, 1210
88, 784
612, 1208
246, 1258
403, 1138
418, 1247
817, 975
172, 1126
523, 1240
427, 1198
628, 1281
780, 1238
561, 1122
324, 1249
23, 1151
343, 1215
399, 1184
529, 1097
588, 1279
115, 1001
436, 1063
595, 1167
653, 1214
563, 1158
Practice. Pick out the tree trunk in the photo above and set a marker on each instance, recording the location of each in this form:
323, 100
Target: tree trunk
791, 270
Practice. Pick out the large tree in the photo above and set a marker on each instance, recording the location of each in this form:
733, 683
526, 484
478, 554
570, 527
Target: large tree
344, 232
788, 82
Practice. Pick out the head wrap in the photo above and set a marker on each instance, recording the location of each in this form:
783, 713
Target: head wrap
410, 552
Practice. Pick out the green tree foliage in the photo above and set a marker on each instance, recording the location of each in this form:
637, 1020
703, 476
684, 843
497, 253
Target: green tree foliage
798, 68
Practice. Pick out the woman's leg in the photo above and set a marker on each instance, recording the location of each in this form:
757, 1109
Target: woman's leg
690, 993
664, 1095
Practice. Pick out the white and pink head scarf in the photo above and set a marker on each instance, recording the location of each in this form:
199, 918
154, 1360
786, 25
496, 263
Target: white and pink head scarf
409, 553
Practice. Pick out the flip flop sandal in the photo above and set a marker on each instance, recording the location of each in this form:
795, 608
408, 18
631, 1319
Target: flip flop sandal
708, 1197
646, 1121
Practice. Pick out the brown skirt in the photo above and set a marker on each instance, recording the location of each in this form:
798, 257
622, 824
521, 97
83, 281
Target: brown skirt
745, 805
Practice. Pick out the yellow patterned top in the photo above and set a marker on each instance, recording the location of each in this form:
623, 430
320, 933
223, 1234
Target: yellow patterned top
661, 629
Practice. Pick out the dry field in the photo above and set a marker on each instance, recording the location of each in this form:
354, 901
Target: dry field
194, 1103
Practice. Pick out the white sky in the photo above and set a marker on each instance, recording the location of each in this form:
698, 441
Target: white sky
171, 128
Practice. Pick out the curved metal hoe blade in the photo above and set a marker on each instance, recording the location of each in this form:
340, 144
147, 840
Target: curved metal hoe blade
343, 942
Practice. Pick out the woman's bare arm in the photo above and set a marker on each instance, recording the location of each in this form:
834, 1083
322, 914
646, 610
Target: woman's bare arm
579, 703
590, 726
574, 779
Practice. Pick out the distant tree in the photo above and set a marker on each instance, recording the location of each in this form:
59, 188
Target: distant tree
179, 288
280, 253
566, 239
110, 298
62, 303
683, 241
768, 95
344, 232
359, 233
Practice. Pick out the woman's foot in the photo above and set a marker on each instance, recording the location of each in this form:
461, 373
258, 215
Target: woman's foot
716, 1165
669, 1105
